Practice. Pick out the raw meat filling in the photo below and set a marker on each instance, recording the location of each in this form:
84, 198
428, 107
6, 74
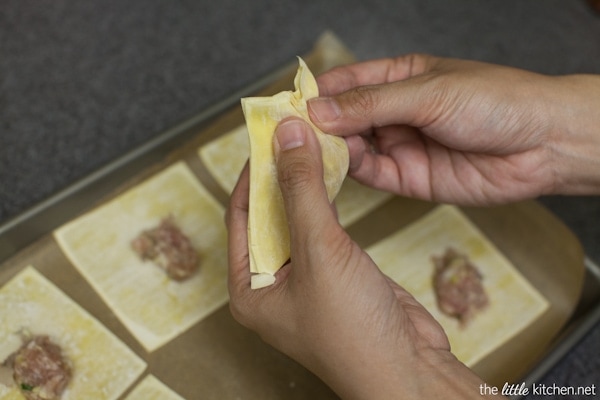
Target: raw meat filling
458, 286
40, 370
169, 248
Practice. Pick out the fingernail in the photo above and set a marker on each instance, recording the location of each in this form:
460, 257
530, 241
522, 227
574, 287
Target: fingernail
290, 134
324, 109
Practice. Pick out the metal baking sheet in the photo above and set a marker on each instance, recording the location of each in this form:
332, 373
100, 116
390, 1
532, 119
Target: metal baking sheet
584, 318
24, 229
221, 359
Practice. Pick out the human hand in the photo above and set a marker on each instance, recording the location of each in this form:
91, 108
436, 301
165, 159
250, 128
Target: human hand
331, 308
461, 131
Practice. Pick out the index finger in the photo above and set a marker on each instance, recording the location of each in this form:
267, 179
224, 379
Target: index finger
373, 72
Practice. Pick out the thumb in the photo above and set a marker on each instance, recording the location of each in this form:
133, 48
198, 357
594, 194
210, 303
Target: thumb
300, 174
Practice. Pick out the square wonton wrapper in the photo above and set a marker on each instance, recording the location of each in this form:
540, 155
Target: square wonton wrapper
154, 308
226, 156
406, 257
150, 388
103, 367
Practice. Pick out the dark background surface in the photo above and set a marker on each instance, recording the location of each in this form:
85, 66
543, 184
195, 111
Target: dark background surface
83, 82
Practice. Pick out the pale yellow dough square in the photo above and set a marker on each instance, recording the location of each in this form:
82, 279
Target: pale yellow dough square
355, 200
226, 156
150, 388
154, 308
103, 367
406, 256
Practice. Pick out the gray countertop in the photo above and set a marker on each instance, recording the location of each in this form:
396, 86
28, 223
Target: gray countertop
83, 82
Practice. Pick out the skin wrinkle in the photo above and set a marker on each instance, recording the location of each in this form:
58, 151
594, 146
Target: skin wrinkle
411, 64
364, 99
494, 191
408, 177
452, 157
424, 143
553, 154
457, 104
525, 122
485, 191
345, 252
431, 189
377, 323
477, 178
392, 66
297, 174
564, 143
399, 71
488, 193
437, 90
381, 169
338, 76
533, 123
545, 144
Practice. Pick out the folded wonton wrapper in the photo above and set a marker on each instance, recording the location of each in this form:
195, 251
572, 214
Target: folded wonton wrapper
268, 234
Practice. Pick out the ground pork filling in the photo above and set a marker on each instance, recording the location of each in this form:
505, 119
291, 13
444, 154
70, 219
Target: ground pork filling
169, 248
40, 369
458, 286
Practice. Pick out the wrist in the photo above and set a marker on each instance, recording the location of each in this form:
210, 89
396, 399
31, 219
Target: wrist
575, 142
430, 374
444, 376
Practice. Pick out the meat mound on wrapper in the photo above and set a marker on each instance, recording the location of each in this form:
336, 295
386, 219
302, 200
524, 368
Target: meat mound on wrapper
40, 370
169, 248
458, 286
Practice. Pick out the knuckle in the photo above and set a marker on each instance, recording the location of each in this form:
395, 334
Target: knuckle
362, 101
297, 174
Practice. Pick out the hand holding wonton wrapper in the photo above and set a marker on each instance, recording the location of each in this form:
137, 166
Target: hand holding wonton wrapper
268, 235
